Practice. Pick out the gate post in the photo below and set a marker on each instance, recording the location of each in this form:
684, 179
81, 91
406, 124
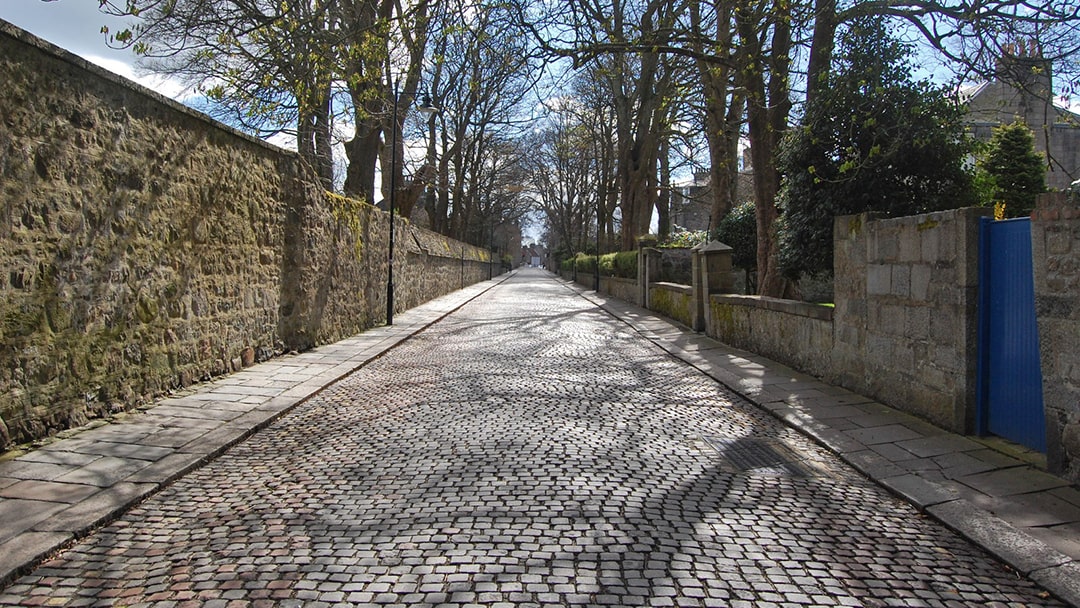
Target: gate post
648, 271
1055, 250
713, 273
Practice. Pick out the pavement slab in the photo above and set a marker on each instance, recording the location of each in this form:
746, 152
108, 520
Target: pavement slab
49, 491
1013, 481
522, 445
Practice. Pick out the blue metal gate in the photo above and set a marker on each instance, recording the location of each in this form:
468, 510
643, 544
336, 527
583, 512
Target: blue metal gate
1010, 376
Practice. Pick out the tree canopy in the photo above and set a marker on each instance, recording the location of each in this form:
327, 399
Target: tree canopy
874, 139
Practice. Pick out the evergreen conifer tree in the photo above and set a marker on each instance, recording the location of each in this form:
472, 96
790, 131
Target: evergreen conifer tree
1016, 172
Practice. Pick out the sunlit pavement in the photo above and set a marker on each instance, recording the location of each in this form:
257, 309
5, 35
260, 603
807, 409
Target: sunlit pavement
527, 450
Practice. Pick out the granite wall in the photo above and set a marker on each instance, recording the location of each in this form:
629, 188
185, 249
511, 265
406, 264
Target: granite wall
904, 326
673, 300
798, 334
1055, 244
146, 247
906, 317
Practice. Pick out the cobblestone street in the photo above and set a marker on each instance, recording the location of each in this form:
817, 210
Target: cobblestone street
527, 450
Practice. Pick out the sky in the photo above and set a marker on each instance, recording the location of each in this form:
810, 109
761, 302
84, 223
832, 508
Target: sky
75, 25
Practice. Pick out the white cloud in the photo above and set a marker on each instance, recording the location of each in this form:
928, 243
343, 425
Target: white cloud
166, 86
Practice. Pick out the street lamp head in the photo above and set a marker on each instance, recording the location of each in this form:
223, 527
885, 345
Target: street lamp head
426, 108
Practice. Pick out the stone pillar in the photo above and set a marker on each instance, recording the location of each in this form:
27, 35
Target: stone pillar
648, 271
700, 293
1055, 249
712, 273
718, 274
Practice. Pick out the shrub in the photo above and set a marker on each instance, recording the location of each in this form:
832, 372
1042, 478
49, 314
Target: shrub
684, 239
622, 264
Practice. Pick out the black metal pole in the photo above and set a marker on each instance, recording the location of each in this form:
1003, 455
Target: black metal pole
393, 189
596, 276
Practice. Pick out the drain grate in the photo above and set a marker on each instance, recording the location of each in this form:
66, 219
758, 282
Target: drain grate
764, 456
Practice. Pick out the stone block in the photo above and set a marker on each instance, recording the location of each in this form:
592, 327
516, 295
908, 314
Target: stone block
920, 282
891, 320
945, 327
886, 242
947, 357
930, 244
916, 322
847, 334
1058, 240
901, 281
910, 246
878, 279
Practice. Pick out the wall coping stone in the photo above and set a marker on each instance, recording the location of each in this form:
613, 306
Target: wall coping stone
791, 307
673, 287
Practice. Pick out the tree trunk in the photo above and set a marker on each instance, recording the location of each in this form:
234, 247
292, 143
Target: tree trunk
324, 144
722, 118
767, 107
821, 48
663, 201
362, 152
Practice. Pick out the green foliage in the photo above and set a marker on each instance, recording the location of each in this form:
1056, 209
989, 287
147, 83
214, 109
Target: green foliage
738, 230
683, 239
621, 264
1013, 169
874, 140
582, 261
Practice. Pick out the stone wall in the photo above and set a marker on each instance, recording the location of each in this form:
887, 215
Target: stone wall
798, 334
147, 247
1055, 244
624, 289
672, 300
905, 324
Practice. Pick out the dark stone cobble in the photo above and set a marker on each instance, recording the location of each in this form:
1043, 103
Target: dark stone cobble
528, 450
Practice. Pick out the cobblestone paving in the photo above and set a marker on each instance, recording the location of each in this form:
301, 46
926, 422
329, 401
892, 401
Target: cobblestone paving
527, 451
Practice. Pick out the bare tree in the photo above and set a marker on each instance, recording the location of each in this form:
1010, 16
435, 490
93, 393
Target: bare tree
563, 175
478, 76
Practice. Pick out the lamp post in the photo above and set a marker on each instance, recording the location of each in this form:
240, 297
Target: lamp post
596, 275
393, 191
424, 109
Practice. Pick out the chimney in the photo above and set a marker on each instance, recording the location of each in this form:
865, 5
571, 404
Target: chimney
1023, 67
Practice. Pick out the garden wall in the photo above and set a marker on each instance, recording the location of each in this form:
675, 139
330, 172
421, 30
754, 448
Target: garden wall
624, 289
147, 247
673, 300
798, 334
1055, 245
906, 318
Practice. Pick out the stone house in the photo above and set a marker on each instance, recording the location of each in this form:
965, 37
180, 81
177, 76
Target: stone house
692, 198
1023, 88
